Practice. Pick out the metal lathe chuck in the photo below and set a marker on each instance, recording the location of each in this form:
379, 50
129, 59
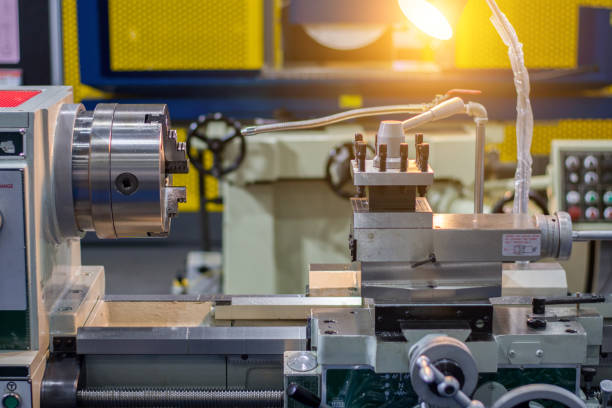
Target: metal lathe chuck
112, 171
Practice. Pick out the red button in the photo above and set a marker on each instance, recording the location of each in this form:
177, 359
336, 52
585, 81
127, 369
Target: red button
575, 212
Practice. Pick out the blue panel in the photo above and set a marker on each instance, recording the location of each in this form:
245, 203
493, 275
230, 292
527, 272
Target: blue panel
502, 109
595, 40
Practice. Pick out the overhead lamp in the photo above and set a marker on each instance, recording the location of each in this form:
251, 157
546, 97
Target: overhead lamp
427, 18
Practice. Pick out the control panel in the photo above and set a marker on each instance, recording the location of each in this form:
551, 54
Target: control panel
583, 180
15, 394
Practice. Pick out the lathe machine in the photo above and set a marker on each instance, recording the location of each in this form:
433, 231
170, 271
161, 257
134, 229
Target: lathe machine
442, 310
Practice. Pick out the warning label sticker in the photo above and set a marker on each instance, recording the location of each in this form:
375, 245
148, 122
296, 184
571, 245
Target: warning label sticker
521, 245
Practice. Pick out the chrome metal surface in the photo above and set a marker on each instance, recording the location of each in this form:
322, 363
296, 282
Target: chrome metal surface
372, 176
592, 235
191, 340
556, 233
331, 119
122, 160
62, 171
431, 282
363, 218
401, 292
80, 170
302, 361
453, 238
433, 273
479, 176
99, 170
281, 300
178, 397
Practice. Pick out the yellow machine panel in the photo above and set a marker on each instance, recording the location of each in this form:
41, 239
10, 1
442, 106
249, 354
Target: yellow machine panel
155, 35
545, 132
70, 36
548, 27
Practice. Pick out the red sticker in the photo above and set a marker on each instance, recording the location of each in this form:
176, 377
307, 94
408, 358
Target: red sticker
12, 99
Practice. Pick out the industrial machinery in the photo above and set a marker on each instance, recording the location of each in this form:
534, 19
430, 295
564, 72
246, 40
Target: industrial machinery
447, 310
302, 201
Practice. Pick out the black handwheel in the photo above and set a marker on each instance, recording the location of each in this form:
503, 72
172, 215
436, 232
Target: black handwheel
508, 197
338, 169
216, 145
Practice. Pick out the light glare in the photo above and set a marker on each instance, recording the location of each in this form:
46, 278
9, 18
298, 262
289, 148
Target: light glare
427, 18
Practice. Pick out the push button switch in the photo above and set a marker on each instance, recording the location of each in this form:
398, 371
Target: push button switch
11, 401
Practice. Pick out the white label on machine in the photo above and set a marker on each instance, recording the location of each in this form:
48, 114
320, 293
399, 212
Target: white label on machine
521, 245
9, 32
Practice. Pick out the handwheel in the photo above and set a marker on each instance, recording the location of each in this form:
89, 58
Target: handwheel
216, 145
521, 396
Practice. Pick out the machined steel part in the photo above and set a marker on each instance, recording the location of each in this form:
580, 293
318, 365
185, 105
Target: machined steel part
556, 233
113, 170
592, 235
178, 397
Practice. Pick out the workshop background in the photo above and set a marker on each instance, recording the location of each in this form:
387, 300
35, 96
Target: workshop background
237, 62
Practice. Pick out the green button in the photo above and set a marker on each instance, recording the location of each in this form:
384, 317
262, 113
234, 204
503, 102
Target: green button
591, 197
10, 401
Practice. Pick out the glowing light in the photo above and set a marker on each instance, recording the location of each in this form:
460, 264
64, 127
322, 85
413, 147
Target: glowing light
427, 18
345, 36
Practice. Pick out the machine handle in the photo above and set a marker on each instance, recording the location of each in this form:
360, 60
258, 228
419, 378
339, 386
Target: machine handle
539, 303
303, 396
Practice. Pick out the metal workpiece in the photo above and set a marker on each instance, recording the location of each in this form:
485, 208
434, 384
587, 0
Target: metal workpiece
117, 161
591, 236
178, 397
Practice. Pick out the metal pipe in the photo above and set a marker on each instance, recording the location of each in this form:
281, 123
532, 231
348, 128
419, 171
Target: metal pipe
177, 397
479, 171
591, 235
331, 119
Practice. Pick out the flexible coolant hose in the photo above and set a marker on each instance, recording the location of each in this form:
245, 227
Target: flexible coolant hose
524, 118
